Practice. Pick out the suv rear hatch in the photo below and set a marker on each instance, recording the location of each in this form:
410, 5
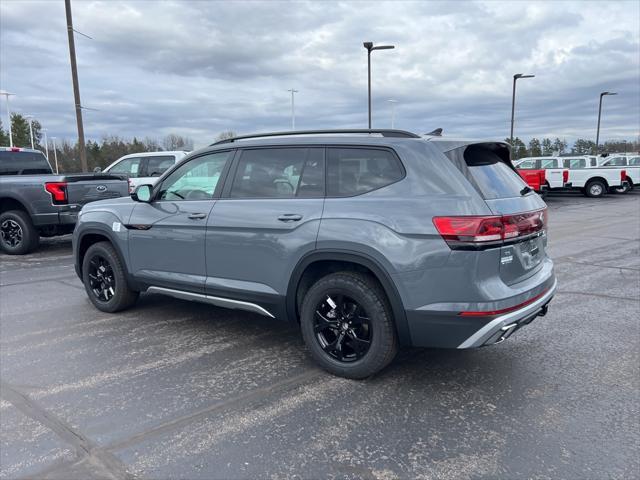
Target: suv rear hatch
519, 214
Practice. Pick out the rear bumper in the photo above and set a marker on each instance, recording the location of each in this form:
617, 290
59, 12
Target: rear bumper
501, 327
64, 215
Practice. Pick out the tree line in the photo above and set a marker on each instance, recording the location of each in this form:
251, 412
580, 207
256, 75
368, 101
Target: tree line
111, 147
547, 147
99, 153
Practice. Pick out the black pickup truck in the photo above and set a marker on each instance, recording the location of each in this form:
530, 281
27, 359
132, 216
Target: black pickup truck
35, 202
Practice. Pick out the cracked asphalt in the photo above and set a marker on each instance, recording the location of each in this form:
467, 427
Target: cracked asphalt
173, 389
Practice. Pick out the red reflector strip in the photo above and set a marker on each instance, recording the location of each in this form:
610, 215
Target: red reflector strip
503, 310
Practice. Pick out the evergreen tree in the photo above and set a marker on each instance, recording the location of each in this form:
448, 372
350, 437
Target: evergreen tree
4, 137
535, 148
547, 147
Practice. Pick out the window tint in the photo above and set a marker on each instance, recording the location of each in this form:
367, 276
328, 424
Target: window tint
23, 163
526, 164
551, 163
129, 167
279, 173
156, 166
196, 179
353, 171
575, 163
634, 161
616, 161
492, 176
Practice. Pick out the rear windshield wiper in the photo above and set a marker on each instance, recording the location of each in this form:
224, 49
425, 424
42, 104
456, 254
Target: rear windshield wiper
526, 190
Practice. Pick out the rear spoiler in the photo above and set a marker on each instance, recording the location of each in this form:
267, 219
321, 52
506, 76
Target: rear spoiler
79, 177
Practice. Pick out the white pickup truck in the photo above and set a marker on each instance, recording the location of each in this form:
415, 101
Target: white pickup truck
584, 175
631, 163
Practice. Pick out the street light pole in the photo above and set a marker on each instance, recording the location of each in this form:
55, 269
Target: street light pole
513, 101
55, 152
30, 118
46, 143
293, 109
76, 87
393, 112
599, 115
7, 95
369, 46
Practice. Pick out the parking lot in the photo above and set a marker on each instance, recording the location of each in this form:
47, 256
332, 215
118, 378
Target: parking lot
184, 390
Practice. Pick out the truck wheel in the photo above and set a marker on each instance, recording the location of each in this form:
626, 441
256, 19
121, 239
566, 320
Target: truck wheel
595, 189
17, 234
624, 188
105, 279
347, 325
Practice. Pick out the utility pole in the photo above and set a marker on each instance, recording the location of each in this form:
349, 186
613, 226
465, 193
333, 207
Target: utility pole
7, 95
603, 94
76, 87
513, 103
293, 109
30, 118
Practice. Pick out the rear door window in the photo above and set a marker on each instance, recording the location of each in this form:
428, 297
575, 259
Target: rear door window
156, 166
354, 171
634, 161
128, 166
545, 164
279, 173
490, 174
616, 162
575, 163
23, 163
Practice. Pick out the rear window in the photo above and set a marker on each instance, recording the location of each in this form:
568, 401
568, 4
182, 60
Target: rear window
23, 163
490, 174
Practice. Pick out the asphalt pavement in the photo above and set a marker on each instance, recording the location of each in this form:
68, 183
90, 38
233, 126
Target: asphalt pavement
174, 389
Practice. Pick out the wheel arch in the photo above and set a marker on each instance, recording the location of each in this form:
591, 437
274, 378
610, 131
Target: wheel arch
594, 179
334, 258
9, 202
90, 237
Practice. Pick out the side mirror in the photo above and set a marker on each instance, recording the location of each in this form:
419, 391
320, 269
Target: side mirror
142, 193
97, 170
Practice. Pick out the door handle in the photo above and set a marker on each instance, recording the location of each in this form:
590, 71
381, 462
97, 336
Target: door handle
197, 216
290, 217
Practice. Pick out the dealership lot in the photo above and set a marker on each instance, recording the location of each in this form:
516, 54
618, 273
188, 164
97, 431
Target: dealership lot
178, 389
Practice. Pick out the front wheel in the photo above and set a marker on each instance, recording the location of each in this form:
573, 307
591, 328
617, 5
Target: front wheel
595, 189
348, 326
105, 279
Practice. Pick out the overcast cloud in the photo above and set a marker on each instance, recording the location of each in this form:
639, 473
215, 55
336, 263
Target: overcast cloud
197, 68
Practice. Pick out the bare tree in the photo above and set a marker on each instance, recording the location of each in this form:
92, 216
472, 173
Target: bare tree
177, 142
226, 134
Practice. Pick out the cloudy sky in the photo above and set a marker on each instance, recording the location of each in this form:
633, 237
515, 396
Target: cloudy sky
200, 67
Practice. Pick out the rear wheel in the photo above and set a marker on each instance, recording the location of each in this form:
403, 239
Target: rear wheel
17, 234
595, 189
348, 326
105, 279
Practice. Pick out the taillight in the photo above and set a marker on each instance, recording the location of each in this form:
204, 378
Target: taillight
565, 176
543, 177
473, 232
623, 175
15, 149
58, 191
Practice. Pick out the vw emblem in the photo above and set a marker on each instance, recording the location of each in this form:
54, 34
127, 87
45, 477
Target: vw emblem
101, 188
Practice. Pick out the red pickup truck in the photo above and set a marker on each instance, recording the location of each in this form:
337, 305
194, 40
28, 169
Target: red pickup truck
537, 179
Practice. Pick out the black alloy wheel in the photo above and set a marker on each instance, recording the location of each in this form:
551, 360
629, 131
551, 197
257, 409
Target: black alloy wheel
11, 233
342, 328
102, 281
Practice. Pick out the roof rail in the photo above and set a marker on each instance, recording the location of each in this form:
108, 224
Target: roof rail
384, 132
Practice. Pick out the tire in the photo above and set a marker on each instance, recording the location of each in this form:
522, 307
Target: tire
362, 316
622, 189
595, 189
105, 279
18, 236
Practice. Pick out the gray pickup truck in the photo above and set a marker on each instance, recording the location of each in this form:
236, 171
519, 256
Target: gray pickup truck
34, 202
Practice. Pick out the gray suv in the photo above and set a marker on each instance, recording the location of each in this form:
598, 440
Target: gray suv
368, 239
